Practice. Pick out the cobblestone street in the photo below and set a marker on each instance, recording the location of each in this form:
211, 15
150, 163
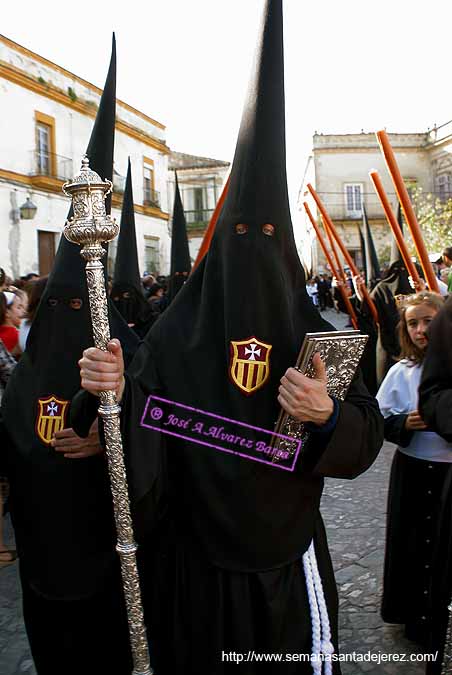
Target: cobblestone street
354, 514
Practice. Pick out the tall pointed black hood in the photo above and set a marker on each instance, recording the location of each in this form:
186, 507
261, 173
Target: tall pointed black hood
126, 265
127, 292
373, 273
61, 507
397, 276
396, 256
238, 323
362, 246
180, 253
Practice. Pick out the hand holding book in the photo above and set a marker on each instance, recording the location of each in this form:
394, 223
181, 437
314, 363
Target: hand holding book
306, 399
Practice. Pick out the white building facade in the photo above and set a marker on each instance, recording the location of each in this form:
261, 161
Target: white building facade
201, 181
46, 118
339, 170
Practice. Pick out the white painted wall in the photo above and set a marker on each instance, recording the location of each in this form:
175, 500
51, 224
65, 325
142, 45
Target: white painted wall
18, 243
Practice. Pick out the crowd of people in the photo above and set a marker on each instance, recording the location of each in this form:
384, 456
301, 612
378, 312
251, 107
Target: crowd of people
416, 555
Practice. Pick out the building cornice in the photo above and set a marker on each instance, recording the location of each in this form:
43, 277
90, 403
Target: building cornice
67, 73
54, 185
17, 76
366, 150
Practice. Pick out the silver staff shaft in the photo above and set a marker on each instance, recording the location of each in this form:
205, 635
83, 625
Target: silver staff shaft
89, 227
446, 668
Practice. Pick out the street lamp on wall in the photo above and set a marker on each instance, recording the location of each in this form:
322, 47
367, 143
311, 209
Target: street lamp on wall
28, 210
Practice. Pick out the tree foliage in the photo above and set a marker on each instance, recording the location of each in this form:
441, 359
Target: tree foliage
435, 220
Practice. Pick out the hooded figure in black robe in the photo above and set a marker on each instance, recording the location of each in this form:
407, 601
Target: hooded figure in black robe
127, 291
226, 572
372, 267
180, 254
61, 508
384, 296
435, 406
366, 323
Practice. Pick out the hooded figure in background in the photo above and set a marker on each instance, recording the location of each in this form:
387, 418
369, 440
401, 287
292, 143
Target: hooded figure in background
372, 267
226, 560
127, 291
384, 296
61, 506
180, 254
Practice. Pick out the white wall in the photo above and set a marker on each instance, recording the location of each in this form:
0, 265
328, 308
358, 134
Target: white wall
18, 243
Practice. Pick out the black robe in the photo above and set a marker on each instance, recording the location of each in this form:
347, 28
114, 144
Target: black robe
226, 557
384, 296
435, 405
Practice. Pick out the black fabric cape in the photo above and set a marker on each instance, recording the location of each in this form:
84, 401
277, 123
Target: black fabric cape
180, 253
61, 508
127, 291
249, 285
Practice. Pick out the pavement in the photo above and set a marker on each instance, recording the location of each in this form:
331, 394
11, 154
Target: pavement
354, 515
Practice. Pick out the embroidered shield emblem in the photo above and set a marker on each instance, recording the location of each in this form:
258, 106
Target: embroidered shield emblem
249, 364
51, 417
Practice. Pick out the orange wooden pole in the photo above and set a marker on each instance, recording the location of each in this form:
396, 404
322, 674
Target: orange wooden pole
342, 289
345, 253
208, 234
339, 266
395, 227
407, 207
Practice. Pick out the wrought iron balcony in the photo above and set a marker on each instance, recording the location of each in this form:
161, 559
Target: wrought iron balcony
151, 197
51, 165
198, 219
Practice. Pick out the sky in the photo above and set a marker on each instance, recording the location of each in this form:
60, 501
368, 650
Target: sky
349, 66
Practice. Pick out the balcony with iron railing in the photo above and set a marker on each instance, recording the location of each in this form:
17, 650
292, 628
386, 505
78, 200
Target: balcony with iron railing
49, 165
151, 197
198, 219
338, 209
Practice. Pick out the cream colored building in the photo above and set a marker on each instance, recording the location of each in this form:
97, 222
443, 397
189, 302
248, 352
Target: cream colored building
339, 170
46, 118
201, 181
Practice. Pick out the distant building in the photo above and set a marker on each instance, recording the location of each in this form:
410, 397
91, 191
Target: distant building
46, 117
339, 170
201, 181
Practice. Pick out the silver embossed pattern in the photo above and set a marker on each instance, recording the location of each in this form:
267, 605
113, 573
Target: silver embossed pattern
89, 227
446, 668
341, 352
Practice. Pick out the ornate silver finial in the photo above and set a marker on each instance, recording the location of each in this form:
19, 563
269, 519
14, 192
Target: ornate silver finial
90, 225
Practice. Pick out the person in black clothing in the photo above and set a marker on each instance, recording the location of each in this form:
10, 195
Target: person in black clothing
235, 556
435, 405
323, 288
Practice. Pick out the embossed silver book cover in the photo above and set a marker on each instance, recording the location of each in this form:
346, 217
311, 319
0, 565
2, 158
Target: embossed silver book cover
341, 352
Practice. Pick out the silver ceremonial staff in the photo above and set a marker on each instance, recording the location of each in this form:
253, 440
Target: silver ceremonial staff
89, 227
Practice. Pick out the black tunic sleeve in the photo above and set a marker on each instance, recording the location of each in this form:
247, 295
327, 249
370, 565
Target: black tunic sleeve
435, 390
355, 442
396, 432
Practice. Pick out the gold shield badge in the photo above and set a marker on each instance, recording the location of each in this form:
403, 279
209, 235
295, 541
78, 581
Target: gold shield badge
249, 364
51, 417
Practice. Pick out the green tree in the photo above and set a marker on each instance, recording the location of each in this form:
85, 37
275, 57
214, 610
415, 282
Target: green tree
435, 220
